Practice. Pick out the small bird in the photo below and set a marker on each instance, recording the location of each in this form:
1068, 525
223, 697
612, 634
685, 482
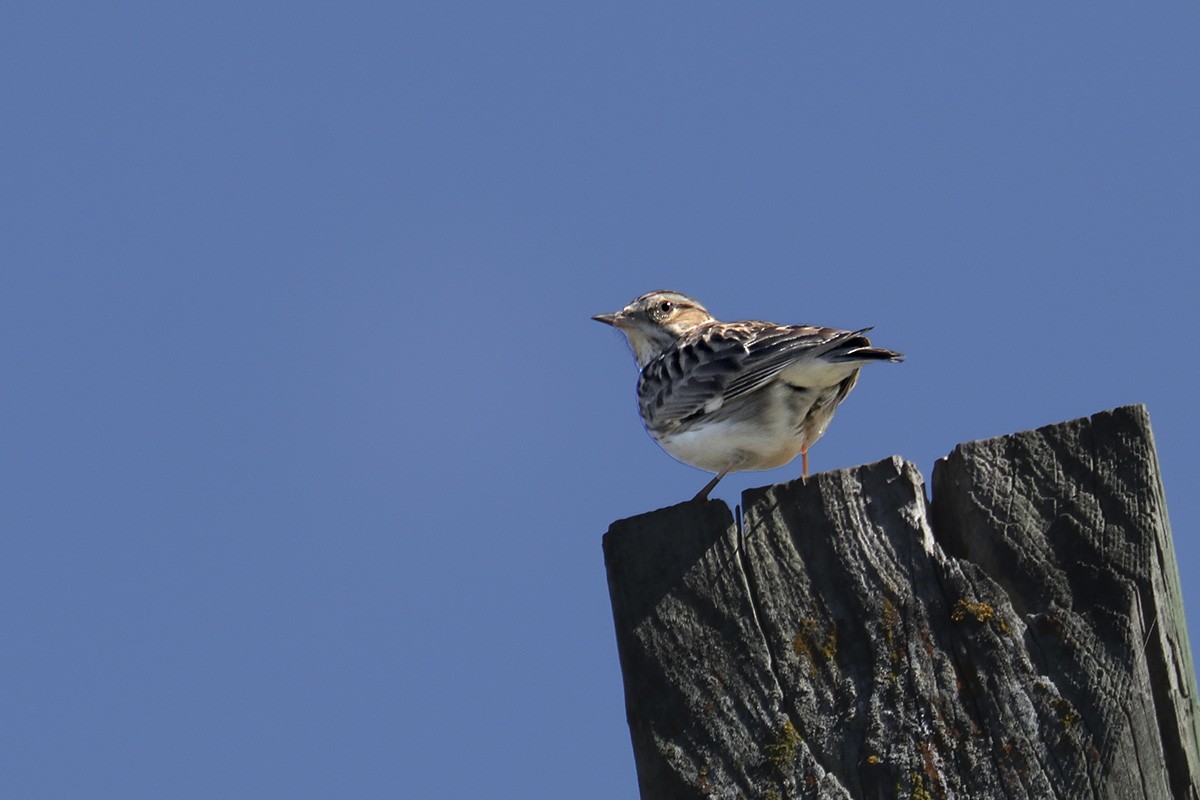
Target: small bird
730, 396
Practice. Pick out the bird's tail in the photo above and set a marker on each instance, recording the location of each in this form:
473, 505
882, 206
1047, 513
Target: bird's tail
853, 346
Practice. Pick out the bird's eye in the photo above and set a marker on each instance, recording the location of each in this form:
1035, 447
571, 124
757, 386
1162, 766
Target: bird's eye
665, 307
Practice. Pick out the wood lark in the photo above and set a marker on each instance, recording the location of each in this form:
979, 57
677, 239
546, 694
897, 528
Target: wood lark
729, 396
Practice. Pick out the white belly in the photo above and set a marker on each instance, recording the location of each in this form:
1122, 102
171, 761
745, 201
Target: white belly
738, 446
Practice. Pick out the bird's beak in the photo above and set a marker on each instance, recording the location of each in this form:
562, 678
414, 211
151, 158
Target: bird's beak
607, 319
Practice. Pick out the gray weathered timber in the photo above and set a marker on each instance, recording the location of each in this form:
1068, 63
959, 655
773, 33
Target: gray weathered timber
1021, 638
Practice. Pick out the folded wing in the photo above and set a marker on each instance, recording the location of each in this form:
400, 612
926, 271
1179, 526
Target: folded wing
720, 364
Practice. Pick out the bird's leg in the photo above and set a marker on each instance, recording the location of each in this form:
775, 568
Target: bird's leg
804, 462
708, 487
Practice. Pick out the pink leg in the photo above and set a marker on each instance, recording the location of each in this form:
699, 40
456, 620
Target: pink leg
708, 487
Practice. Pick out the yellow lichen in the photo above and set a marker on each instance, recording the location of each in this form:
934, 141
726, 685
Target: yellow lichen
891, 630
1067, 714
919, 792
829, 646
815, 644
982, 612
782, 751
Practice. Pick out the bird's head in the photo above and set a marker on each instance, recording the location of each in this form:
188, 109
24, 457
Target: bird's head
655, 321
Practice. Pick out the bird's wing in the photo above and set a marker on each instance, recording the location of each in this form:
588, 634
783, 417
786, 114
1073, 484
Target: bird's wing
720, 363
690, 378
771, 350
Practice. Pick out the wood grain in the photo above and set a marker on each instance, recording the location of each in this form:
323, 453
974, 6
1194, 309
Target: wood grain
1023, 637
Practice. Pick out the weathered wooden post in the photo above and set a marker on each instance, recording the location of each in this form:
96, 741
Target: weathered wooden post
1022, 636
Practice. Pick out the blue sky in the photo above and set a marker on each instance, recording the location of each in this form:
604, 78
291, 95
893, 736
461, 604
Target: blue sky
309, 440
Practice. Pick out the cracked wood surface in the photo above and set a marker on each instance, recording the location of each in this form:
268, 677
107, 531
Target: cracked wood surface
1022, 638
